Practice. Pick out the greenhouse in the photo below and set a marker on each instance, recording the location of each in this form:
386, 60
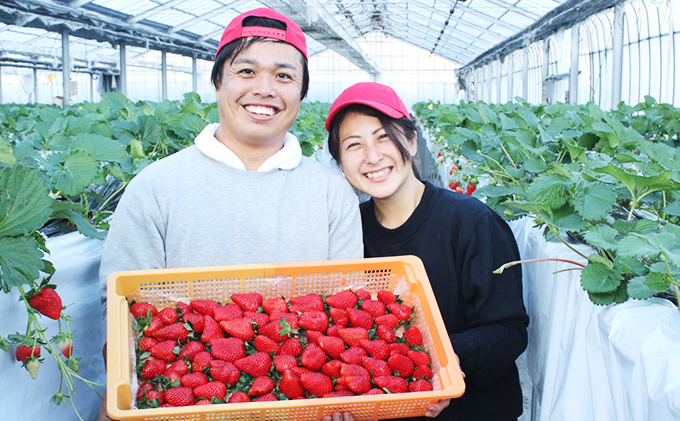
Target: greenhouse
513, 245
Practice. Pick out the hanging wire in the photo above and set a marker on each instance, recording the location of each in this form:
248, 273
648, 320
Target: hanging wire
453, 9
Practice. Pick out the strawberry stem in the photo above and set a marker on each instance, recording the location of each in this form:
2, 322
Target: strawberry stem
517, 262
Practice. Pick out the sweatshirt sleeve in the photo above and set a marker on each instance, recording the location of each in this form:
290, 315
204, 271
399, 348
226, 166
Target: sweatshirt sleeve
495, 312
345, 234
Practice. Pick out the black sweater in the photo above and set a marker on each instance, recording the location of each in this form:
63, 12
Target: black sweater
461, 241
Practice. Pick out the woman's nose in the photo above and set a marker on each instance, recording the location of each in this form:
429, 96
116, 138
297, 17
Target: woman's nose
373, 154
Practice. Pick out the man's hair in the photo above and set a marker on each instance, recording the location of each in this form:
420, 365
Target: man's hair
398, 129
230, 51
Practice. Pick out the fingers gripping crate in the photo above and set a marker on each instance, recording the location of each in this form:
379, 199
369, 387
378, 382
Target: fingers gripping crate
403, 275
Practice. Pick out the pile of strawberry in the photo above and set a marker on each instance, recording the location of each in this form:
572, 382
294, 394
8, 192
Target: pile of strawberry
252, 349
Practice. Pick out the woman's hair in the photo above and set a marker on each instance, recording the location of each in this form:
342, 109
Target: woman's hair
236, 47
398, 129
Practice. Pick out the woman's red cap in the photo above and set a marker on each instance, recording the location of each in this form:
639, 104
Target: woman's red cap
373, 94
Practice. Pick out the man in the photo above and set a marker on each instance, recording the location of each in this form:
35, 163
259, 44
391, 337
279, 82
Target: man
243, 193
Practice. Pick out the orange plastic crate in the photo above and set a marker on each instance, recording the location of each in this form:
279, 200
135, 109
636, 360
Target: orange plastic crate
404, 275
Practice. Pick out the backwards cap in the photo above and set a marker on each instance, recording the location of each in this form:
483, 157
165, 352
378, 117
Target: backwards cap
375, 95
293, 35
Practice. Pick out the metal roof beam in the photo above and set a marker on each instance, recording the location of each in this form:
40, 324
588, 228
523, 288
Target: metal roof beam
459, 57
201, 18
155, 10
486, 17
512, 8
445, 14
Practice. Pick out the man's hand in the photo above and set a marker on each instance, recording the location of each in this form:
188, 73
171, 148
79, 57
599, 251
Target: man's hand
339, 416
103, 415
436, 408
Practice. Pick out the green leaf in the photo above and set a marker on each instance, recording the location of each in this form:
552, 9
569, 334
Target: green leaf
642, 226
20, 261
74, 213
100, 147
601, 237
620, 295
75, 173
6, 153
597, 277
637, 288
636, 245
549, 189
24, 201
639, 184
594, 201
658, 282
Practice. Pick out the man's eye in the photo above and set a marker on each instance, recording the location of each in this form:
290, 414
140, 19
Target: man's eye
246, 71
284, 76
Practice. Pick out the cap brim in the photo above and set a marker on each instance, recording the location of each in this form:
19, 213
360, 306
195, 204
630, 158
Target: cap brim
385, 109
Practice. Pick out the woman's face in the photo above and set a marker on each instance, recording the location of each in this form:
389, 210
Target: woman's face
370, 160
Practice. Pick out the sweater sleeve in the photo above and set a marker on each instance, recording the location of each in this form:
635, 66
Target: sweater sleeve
345, 235
494, 312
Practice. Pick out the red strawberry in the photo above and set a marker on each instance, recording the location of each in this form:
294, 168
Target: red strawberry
386, 297
191, 349
22, 352
173, 375
314, 320
183, 308
168, 315
225, 372
339, 316
420, 385
469, 189
201, 361
353, 355
152, 368
210, 390
143, 388
377, 349
419, 357
352, 335
180, 396
284, 362
390, 320
165, 350
205, 307
203, 402
392, 383
313, 357
360, 318
401, 365
155, 324
211, 329
291, 346
260, 319
46, 302
265, 344
422, 371
374, 391
280, 329
261, 385
276, 304
228, 312
155, 395
399, 348
180, 367
239, 397
386, 333
376, 367
228, 349
239, 328
402, 311
313, 336
175, 331
333, 346
257, 364
334, 330
142, 310
363, 294
343, 299
196, 321
250, 301
267, 397
193, 380
317, 384
290, 385
309, 302
332, 368
413, 336
374, 307
355, 377
146, 343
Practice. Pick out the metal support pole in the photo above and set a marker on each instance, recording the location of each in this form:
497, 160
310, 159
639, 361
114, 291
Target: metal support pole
545, 72
499, 67
122, 88
1, 101
573, 71
525, 74
66, 67
488, 73
468, 85
617, 67
91, 87
511, 71
194, 74
35, 85
164, 75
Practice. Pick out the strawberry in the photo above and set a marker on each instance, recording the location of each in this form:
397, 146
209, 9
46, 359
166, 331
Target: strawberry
180, 396
32, 365
363, 294
155, 324
402, 311
377, 349
332, 368
334, 330
419, 357
386, 297
201, 360
353, 355
342, 300
228, 349
392, 383
376, 367
291, 346
422, 371
276, 304
211, 329
193, 380
173, 375
399, 348
374, 307
309, 302
360, 318
239, 397
175, 331
413, 336
203, 402
352, 335
257, 364
224, 371
168, 315
142, 310
154, 395
182, 308
260, 319
180, 367
146, 343
250, 301
190, 349
228, 312
314, 320
46, 302
290, 385
64, 343
390, 320
313, 357
165, 350
23, 352
261, 385
195, 320
280, 329
284, 362
152, 368
313, 336
401, 365
265, 344
339, 316
267, 397
143, 388
469, 189
333, 346
386, 333
205, 307
374, 391
239, 328
420, 385
210, 390
317, 384
355, 377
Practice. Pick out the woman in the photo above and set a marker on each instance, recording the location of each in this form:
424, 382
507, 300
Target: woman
459, 239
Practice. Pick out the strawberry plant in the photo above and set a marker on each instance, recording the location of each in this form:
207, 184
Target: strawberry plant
607, 179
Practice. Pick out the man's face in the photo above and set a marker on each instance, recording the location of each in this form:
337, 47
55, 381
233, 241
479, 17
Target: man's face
259, 96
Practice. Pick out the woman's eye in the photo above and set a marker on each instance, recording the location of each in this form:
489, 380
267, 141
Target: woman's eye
384, 136
353, 145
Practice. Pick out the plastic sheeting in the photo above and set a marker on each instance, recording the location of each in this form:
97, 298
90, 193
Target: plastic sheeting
588, 362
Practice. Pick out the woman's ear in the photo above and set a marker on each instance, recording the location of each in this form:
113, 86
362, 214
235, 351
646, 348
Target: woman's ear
413, 144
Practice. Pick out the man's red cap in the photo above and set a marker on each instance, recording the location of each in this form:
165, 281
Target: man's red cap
375, 95
293, 35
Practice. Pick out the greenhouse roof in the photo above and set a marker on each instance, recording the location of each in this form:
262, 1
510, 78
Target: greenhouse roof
458, 30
